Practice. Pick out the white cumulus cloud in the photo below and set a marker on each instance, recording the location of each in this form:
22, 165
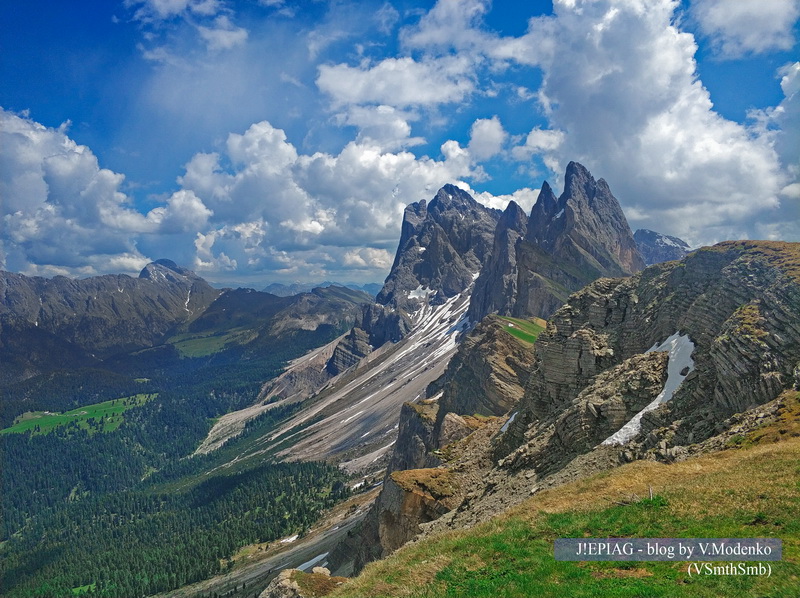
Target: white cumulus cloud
400, 82
487, 137
747, 26
63, 212
622, 94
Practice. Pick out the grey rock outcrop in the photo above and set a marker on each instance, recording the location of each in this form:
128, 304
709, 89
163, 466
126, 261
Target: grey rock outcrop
485, 378
443, 245
656, 247
487, 375
599, 410
497, 282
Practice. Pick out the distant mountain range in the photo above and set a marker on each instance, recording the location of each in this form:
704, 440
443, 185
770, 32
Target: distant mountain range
287, 290
657, 248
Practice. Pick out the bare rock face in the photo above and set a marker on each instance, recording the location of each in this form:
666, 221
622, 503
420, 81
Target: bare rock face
375, 326
443, 244
350, 350
485, 378
411, 498
656, 247
737, 301
598, 411
568, 242
496, 285
416, 437
487, 375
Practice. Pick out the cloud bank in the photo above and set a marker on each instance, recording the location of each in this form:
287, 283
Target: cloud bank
613, 84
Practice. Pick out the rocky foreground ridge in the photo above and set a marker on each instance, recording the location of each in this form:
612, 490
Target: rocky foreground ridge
733, 308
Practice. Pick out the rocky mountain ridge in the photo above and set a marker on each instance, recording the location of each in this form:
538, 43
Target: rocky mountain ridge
443, 245
354, 388
111, 313
734, 307
109, 327
295, 288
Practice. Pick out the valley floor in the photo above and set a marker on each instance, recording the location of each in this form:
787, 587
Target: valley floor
255, 566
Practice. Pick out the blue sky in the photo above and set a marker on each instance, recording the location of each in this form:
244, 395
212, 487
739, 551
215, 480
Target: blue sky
266, 140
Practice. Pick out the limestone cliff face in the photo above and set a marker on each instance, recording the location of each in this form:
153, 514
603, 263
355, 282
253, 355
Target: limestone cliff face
599, 410
443, 244
497, 282
375, 326
416, 437
411, 498
486, 377
568, 242
488, 373
737, 301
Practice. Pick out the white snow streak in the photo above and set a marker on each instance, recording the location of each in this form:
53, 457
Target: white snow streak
420, 293
312, 562
509, 422
680, 349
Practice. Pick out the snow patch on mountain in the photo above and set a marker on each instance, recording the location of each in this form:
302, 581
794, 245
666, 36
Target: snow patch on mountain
680, 349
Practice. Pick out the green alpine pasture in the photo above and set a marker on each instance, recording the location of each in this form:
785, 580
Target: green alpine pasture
525, 330
100, 417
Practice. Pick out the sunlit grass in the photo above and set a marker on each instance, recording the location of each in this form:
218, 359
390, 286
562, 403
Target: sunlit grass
107, 416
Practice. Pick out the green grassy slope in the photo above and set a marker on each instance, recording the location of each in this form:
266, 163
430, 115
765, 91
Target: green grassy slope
525, 330
750, 490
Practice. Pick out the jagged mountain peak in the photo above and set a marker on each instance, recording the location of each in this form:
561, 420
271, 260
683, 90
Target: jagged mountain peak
452, 197
578, 181
568, 241
513, 217
444, 243
587, 219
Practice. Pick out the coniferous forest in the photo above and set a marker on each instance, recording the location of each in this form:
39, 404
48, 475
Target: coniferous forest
128, 512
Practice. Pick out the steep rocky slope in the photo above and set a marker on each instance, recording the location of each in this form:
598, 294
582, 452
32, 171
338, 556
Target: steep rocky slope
672, 362
597, 398
737, 302
566, 243
498, 281
443, 245
484, 378
354, 388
